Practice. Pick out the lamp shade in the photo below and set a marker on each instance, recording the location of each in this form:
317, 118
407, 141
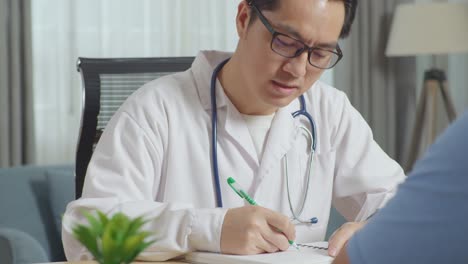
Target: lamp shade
429, 28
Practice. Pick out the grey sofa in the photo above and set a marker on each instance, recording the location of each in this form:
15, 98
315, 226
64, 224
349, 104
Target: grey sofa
32, 200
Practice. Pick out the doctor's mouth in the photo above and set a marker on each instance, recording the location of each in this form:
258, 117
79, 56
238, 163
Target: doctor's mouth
284, 89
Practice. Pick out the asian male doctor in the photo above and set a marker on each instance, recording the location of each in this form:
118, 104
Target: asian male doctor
259, 115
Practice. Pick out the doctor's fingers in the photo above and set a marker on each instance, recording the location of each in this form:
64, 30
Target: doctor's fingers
275, 238
241, 232
282, 224
266, 245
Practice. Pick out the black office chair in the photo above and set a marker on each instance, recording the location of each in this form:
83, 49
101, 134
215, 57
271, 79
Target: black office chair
106, 85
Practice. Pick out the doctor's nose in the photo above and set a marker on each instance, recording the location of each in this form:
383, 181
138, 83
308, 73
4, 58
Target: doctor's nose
297, 66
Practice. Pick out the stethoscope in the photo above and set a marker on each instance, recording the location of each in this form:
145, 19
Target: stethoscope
311, 135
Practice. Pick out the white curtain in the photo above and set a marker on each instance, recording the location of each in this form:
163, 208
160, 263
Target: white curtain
65, 29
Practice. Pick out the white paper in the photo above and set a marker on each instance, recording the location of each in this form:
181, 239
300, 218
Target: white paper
292, 256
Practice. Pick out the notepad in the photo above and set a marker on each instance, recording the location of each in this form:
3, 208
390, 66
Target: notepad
305, 255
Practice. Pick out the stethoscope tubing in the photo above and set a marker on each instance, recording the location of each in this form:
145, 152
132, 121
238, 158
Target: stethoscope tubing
302, 111
214, 135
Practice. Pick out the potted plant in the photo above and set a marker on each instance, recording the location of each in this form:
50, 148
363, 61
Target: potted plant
115, 240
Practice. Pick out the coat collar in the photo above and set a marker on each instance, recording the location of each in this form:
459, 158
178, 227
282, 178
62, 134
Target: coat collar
202, 68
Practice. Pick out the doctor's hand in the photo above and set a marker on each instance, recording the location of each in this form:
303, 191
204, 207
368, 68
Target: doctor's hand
254, 229
341, 236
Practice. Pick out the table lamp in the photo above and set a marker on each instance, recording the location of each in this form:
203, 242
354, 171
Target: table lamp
429, 29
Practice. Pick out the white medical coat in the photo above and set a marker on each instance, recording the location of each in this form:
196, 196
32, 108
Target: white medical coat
154, 159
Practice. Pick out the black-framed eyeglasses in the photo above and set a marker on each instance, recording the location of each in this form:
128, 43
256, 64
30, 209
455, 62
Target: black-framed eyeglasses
290, 47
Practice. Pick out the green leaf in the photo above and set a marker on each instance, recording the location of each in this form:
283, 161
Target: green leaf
109, 246
137, 250
103, 218
88, 239
135, 225
130, 246
96, 225
119, 224
140, 248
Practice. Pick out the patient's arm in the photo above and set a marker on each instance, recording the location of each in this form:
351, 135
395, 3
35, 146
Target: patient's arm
342, 257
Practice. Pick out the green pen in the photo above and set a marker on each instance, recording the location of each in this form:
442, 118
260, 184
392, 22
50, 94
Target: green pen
238, 189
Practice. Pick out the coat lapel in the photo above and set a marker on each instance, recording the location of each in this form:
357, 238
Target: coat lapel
282, 134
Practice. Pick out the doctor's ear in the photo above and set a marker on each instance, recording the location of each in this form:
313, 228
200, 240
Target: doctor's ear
243, 19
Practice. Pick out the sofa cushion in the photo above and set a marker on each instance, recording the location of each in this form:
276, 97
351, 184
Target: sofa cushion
17, 247
28, 208
61, 187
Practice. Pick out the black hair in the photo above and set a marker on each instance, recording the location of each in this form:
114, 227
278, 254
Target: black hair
350, 12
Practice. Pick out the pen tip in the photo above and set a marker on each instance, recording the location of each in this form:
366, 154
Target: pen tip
292, 243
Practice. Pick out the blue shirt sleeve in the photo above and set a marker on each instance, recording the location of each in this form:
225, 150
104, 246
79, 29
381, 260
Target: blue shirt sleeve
427, 220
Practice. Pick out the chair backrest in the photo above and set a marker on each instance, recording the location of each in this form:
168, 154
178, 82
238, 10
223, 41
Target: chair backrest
106, 85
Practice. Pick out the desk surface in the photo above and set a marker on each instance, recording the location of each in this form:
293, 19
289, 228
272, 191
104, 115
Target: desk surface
94, 262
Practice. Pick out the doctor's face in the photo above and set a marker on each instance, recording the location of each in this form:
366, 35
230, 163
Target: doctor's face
271, 79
